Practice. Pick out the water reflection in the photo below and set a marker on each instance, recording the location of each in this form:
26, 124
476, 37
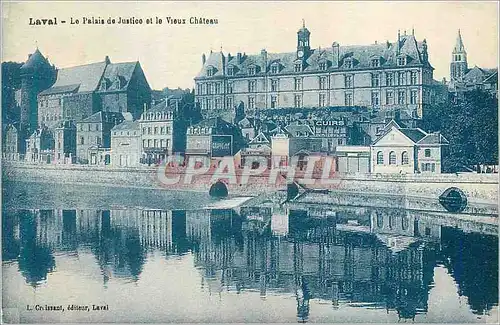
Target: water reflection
360, 257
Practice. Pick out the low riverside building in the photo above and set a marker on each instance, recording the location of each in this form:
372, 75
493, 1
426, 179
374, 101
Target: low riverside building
213, 138
11, 142
259, 146
286, 145
65, 142
353, 159
407, 150
126, 144
40, 146
163, 131
94, 137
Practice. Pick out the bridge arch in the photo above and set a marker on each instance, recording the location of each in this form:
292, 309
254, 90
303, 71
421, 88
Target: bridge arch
218, 189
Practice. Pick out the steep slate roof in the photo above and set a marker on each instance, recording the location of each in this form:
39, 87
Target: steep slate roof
60, 90
127, 126
361, 54
35, 61
434, 138
101, 116
86, 76
493, 78
122, 71
415, 134
303, 129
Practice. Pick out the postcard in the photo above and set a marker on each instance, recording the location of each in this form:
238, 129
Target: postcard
249, 162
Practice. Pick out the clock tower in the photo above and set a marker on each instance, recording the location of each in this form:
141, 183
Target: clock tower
303, 45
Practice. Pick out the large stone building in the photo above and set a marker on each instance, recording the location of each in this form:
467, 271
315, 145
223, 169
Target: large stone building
81, 91
463, 78
385, 76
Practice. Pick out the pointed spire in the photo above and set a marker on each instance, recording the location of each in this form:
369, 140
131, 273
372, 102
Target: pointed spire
303, 23
459, 45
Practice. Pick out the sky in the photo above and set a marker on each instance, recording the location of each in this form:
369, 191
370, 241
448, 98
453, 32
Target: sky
170, 55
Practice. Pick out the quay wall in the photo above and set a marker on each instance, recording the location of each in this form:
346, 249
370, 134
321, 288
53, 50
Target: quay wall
479, 188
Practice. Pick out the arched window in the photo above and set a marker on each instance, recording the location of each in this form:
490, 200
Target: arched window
392, 158
404, 158
380, 158
380, 220
404, 223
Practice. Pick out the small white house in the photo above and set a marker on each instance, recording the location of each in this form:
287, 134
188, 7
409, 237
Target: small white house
406, 150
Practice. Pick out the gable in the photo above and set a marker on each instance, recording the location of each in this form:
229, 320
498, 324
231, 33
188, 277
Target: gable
393, 137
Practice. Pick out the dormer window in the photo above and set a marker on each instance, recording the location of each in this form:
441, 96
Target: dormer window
210, 71
348, 63
298, 67
230, 71
401, 60
322, 66
375, 63
252, 70
274, 69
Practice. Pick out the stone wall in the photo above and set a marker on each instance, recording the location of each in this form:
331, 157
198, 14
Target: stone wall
479, 188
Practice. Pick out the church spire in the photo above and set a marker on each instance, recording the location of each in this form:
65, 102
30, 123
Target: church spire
459, 45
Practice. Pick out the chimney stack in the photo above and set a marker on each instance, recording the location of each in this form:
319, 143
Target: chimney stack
336, 54
238, 56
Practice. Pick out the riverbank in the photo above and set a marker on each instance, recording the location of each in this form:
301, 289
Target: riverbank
413, 191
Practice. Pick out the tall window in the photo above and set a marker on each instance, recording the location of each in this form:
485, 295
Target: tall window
209, 89
375, 80
251, 102
404, 158
251, 71
389, 78
322, 66
229, 102
210, 72
251, 85
414, 77
82, 140
298, 84
375, 98
218, 103
348, 99
389, 97
218, 87
274, 68
274, 101
274, 85
230, 71
322, 100
298, 67
322, 83
229, 87
392, 158
348, 81
414, 97
401, 97
298, 100
380, 158
401, 78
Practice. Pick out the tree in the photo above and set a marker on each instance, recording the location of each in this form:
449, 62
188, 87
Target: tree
471, 127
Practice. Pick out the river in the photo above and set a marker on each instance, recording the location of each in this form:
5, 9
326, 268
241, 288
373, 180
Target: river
167, 256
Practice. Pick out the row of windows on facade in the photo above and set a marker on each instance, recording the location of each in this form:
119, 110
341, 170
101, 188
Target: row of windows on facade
393, 159
275, 68
98, 140
199, 130
157, 116
156, 143
217, 88
208, 104
380, 221
156, 130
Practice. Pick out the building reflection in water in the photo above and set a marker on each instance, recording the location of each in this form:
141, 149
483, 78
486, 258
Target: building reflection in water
380, 258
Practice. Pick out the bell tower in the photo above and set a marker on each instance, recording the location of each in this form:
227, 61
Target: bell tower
303, 44
458, 66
